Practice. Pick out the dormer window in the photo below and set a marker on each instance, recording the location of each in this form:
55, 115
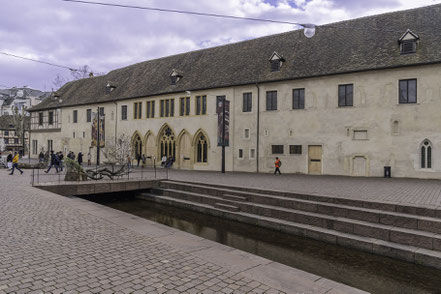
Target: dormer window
175, 76
110, 87
408, 42
276, 61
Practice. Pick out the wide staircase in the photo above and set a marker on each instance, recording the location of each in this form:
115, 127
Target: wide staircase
405, 232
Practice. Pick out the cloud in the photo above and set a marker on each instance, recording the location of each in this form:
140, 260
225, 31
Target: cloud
106, 38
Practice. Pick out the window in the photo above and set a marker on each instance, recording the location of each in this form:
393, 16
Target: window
101, 111
150, 109
202, 149
6, 133
137, 110
167, 107
408, 91
298, 99
51, 117
252, 153
88, 115
246, 133
277, 149
271, 100
40, 118
73, 135
50, 145
201, 105
15, 140
185, 106
345, 95
295, 149
275, 65
84, 134
75, 116
408, 47
34, 147
426, 154
123, 112
247, 102
240, 154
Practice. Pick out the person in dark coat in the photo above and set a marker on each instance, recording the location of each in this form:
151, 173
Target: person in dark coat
80, 158
41, 157
54, 162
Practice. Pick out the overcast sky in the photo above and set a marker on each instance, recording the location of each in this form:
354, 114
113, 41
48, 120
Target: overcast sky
107, 38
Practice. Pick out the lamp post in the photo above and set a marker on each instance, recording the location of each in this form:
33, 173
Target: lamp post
98, 136
223, 134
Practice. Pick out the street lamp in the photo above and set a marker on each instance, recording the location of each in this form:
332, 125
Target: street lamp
98, 117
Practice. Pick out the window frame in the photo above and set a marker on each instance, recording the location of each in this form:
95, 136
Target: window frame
400, 101
75, 116
300, 103
247, 102
271, 100
275, 152
50, 118
294, 149
89, 115
123, 112
346, 103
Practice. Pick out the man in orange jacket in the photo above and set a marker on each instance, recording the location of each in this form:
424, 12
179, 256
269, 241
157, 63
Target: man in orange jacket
277, 164
15, 164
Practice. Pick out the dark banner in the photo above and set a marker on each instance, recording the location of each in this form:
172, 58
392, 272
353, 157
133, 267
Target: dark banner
223, 121
95, 132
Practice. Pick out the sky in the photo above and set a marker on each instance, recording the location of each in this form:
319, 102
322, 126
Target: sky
107, 38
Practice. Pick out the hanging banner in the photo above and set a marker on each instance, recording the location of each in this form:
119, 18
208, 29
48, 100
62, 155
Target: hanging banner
223, 121
102, 137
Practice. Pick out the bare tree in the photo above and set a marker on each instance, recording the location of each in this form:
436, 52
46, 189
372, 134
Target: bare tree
81, 73
21, 125
117, 151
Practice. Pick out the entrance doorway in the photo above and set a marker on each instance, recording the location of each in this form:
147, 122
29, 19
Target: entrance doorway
315, 159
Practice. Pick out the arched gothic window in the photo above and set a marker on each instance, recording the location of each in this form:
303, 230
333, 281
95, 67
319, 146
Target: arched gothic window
168, 143
202, 148
426, 154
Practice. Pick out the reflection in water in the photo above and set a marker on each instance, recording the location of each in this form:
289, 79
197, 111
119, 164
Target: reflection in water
372, 273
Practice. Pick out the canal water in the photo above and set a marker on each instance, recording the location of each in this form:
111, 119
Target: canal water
372, 273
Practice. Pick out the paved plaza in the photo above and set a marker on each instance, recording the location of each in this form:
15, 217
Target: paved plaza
54, 244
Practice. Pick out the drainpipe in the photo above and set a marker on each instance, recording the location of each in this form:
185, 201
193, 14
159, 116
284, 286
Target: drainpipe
116, 120
258, 128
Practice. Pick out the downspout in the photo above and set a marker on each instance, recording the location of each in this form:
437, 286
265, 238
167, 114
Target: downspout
116, 120
258, 128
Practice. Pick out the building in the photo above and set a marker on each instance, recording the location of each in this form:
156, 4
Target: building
19, 98
10, 139
359, 96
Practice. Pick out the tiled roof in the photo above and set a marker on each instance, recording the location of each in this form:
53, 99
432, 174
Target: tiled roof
361, 44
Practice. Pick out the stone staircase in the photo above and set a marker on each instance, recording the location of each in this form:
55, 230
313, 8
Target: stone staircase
405, 232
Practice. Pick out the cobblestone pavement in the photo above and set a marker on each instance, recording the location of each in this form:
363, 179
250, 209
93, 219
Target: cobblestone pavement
397, 190
49, 245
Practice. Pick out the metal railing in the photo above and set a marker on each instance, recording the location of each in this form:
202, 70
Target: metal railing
39, 176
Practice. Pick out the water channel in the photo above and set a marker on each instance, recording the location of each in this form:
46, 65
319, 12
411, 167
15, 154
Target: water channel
369, 272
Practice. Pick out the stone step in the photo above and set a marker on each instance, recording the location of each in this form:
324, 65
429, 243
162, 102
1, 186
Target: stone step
403, 220
407, 253
235, 197
217, 189
361, 228
226, 207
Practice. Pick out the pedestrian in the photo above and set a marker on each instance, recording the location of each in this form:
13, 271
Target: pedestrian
163, 160
89, 159
144, 159
129, 162
41, 156
80, 158
277, 164
9, 161
138, 159
54, 162
60, 160
15, 164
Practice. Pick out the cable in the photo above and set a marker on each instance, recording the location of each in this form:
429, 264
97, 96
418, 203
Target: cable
187, 12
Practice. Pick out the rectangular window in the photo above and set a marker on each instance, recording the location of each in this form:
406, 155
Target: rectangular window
150, 113
172, 107
101, 111
246, 133
50, 145
277, 149
88, 115
123, 112
187, 106
252, 153
240, 155
75, 116
247, 102
345, 95
137, 110
15, 140
167, 107
51, 117
6, 133
182, 107
34, 147
73, 135
271, 100
295, 149
201, 105
408, 91
298, 99
40, 118
204, 104
198, 105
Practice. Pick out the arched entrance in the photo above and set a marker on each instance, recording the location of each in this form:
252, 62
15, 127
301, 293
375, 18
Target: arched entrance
136, 146
150, 149
185, 150
167, 143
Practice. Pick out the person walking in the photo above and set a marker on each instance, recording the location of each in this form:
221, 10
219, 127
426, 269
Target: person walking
138, 159
60, 160
15, 164
41, 157
163, 160
277, 165
89, 159
129, 162
54, 162
80, 158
